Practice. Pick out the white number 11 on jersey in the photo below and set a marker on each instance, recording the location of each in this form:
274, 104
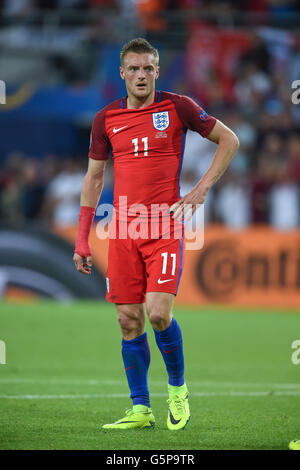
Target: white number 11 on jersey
136, 146
165, 260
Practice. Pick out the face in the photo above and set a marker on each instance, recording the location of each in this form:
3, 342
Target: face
139, 72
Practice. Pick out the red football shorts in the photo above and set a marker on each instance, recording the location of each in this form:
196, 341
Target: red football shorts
137, 266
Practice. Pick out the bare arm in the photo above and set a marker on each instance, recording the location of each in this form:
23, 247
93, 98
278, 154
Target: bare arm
93, 183
228, 144
90, 194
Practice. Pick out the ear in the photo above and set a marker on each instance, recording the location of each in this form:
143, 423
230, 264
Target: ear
122, 73
157, 72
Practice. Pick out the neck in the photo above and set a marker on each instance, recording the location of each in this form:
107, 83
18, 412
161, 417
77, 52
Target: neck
134, 102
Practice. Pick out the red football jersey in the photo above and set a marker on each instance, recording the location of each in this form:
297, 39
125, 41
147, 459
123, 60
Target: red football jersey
147, 146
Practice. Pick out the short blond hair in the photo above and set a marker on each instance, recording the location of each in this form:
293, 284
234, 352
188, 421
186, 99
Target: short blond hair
139, 46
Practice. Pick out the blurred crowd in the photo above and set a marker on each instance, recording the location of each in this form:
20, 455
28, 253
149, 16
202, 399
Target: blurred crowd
152, 15
46, 191
262, 184
152, 6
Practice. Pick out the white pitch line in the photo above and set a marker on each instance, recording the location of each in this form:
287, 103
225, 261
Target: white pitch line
54, 381
126, 395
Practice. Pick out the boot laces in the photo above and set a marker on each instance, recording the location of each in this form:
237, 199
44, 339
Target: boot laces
177, 402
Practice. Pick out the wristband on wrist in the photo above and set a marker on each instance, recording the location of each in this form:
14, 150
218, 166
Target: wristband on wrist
86, 217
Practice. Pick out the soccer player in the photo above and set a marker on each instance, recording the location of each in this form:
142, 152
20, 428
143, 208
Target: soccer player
146, 133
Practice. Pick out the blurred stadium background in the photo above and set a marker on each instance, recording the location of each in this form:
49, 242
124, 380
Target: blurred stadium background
59, 62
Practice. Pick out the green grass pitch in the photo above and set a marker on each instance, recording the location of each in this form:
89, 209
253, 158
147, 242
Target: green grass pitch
64, 379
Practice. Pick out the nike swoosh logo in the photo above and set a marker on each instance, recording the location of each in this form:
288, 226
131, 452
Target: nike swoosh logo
117, 130
162, 282
172, 419
123, 422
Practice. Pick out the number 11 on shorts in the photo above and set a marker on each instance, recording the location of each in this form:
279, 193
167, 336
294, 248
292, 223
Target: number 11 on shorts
165, 261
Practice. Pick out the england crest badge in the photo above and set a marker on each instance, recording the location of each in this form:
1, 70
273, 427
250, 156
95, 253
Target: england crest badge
161, 120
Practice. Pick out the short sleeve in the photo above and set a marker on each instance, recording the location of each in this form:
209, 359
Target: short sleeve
99, 141
193, 116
